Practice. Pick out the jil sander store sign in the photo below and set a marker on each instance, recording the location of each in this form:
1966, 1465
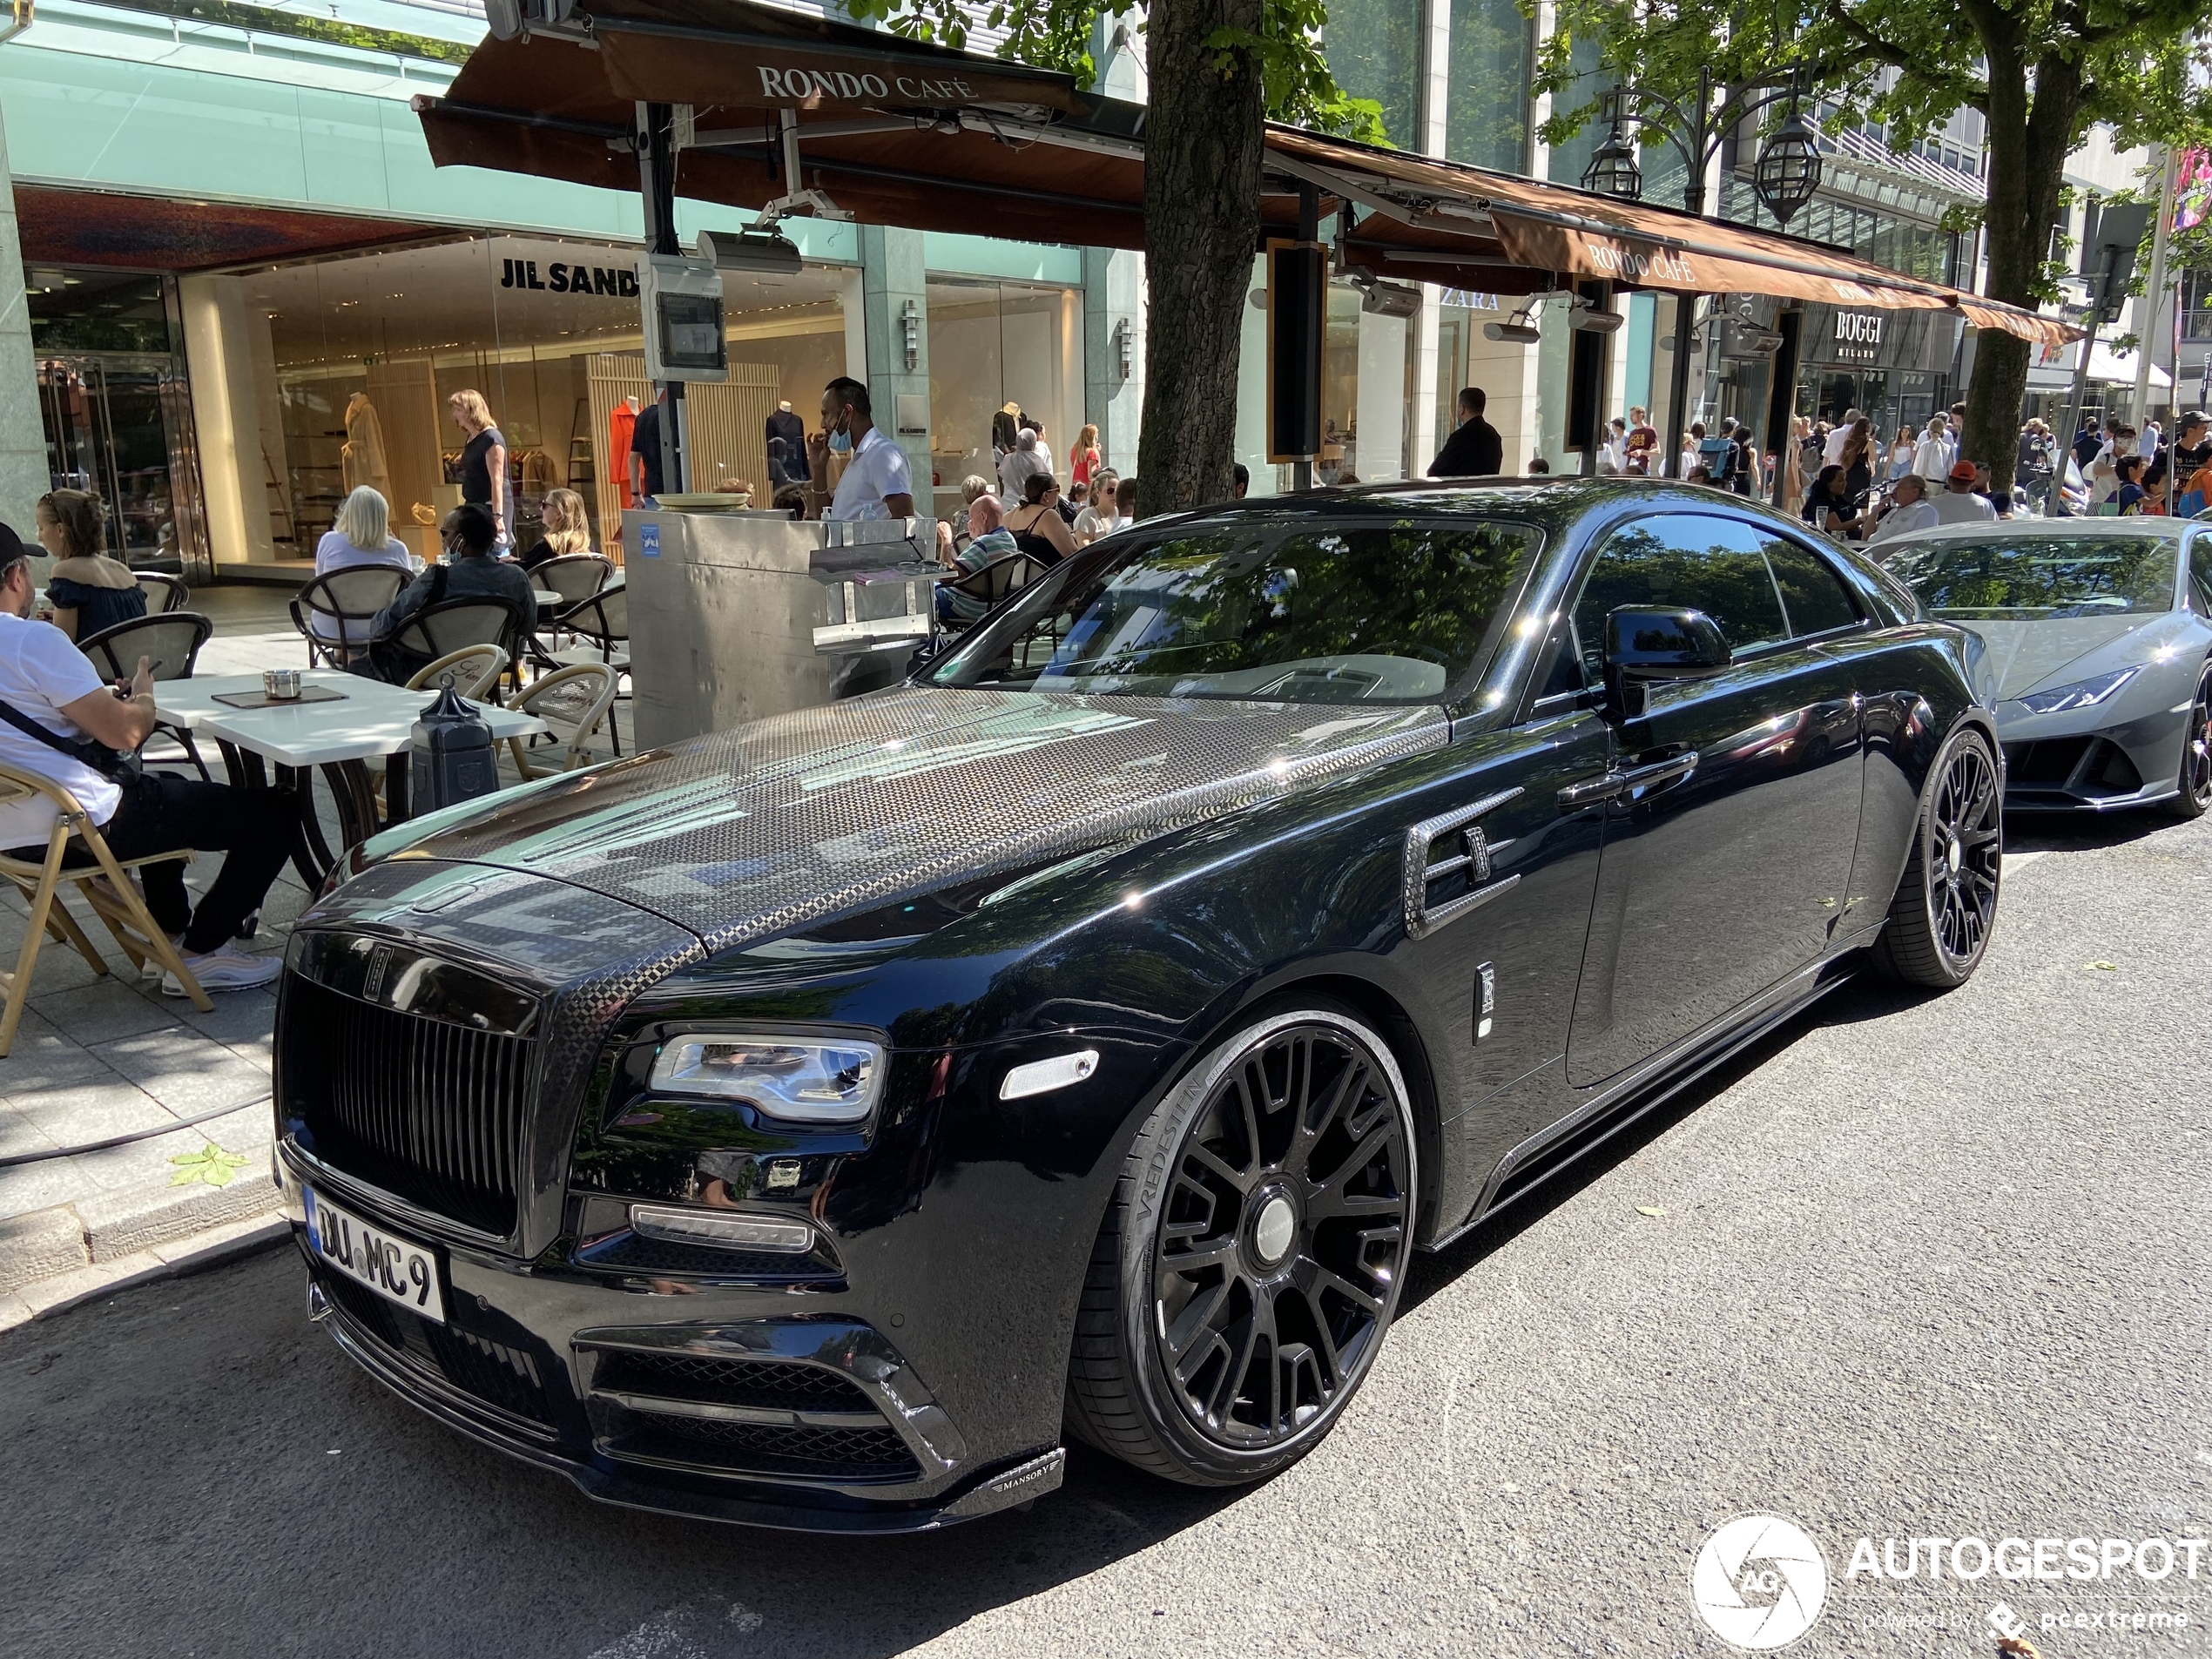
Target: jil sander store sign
563, 274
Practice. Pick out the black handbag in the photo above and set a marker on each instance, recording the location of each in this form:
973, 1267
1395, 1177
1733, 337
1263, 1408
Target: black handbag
118, 765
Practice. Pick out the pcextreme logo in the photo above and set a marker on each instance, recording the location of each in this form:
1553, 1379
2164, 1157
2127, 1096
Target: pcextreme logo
1759, 1582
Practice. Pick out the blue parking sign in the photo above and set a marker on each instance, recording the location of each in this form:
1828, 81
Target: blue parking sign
649, 541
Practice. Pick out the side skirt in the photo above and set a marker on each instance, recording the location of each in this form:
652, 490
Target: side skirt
1544, 1154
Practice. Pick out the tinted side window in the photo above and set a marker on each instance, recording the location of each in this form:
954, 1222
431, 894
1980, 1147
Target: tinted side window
1712, 564
1813, 597
2200, 569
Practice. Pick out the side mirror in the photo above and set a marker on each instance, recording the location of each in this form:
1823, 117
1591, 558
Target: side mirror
1643, 645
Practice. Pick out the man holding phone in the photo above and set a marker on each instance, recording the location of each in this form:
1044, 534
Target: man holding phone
55, 714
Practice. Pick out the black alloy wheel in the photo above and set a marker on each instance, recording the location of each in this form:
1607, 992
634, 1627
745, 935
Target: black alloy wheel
1253, 1254
1940, 921
2195, 778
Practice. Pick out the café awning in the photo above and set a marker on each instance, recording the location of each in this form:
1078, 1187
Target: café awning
899, 131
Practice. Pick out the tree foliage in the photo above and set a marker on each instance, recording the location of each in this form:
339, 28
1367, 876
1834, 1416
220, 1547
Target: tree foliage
1059, 34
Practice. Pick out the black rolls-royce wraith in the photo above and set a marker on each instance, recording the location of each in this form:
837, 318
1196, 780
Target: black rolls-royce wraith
815, 1123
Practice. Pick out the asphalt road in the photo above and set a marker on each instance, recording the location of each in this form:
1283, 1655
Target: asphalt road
1915, 1268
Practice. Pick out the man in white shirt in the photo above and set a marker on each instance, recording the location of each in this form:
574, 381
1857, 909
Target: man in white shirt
1958, 504
1020, 463
49, 687
1911, 513
876, 482
1831, 454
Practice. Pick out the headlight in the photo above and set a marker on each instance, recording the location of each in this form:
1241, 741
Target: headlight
2082, 694
833, 1082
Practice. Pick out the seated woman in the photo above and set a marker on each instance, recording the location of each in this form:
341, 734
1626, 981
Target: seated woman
361, 537
472, 573
1829, 506
86, 591
568, 530
1036, 526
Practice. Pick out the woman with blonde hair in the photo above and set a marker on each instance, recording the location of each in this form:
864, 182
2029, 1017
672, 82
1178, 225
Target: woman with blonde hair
86, 591
1083, 460
361, 536
481, 471
567, 528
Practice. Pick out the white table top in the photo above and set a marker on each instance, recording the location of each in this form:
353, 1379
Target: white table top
375, 718
546, 597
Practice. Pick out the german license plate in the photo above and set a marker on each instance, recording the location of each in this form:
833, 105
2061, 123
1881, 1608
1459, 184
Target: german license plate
397, 1269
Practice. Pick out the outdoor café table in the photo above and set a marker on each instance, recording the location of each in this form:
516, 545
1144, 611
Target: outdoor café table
340, 737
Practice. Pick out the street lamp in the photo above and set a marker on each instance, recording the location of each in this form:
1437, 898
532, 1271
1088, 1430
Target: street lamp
1612, 170
1788, 171
1785, 175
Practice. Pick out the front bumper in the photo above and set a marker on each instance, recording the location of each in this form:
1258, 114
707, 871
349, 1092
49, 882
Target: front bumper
2082, 763
743, 1411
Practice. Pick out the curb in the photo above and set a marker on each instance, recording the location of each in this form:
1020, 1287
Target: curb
190, 1255
52, 1259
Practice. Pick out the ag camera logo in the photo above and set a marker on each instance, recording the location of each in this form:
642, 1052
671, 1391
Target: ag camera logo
1759, 1582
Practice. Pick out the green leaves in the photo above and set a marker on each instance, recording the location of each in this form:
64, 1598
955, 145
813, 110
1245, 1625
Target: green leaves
1058, 34
209, 1166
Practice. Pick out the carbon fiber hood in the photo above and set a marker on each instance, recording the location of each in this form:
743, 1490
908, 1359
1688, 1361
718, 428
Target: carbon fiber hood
748, 833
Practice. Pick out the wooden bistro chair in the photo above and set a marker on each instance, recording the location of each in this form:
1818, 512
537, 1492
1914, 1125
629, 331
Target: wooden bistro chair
116, 902
579, 697
347, 601
172, 640
472, 670
163, 593
603, 622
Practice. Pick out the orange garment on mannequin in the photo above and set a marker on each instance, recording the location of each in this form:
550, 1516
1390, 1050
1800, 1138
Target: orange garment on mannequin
620, 425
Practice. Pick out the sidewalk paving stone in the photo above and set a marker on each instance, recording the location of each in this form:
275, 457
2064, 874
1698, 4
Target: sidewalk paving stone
99, 1012
118, 1224
184, 1069
31, 1187
39, 1245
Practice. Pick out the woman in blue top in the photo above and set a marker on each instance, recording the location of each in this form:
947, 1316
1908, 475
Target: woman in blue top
86, 591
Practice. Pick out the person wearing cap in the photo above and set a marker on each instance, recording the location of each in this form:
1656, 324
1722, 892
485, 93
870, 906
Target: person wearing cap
51, 701
1958, 504
1910, 510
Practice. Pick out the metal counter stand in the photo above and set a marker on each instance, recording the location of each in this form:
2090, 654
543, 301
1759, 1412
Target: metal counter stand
735, 615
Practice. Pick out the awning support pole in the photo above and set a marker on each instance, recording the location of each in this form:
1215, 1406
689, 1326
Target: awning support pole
1782, 399
656, 183
2097, 286
1309, 229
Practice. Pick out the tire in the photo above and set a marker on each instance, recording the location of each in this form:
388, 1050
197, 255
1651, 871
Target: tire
1946, 904
2195, 774
1252, 1253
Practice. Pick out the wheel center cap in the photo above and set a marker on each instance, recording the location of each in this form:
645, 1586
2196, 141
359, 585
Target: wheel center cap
1956, 856
1273, 1229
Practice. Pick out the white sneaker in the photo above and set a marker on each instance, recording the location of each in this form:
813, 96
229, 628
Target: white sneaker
224, 970
152, 969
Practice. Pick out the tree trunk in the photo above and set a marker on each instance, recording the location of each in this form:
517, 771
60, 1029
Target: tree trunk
1202, 143
2027, 150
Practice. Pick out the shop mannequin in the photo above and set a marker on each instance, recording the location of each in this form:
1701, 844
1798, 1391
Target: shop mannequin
361, 461
620, 425
787, 426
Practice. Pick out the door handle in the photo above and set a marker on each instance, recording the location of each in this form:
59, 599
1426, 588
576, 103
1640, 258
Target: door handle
1615, 785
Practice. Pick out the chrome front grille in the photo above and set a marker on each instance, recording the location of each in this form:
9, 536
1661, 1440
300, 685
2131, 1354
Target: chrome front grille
427, 1109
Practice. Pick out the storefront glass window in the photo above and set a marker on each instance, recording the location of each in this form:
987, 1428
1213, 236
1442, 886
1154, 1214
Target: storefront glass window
1375, 50
999, 347
116, 415
1485, 115
353, 361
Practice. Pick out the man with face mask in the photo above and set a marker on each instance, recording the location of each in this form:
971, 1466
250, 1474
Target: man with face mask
875, 482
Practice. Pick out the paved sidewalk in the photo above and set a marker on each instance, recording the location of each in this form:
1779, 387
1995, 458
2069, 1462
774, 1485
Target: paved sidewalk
99, 1056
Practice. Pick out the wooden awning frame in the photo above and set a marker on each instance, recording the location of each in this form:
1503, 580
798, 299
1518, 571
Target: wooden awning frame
899, 131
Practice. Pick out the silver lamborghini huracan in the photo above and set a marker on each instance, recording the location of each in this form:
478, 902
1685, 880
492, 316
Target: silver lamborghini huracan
2097, 638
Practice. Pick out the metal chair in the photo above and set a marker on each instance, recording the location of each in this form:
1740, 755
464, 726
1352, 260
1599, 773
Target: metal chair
116, 902
347, 601
472, 670
452, 624
163, 593
575, 577
992, 583
578, 696
604, 619
171, 639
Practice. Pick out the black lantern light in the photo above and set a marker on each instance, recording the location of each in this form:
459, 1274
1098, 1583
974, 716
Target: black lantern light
1612, 170
1789, 168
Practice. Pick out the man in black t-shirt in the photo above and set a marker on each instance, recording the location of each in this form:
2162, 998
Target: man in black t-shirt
644, 449
2192, 447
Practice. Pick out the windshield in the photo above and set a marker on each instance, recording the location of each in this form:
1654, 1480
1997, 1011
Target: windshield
1396, 613
2034, 578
